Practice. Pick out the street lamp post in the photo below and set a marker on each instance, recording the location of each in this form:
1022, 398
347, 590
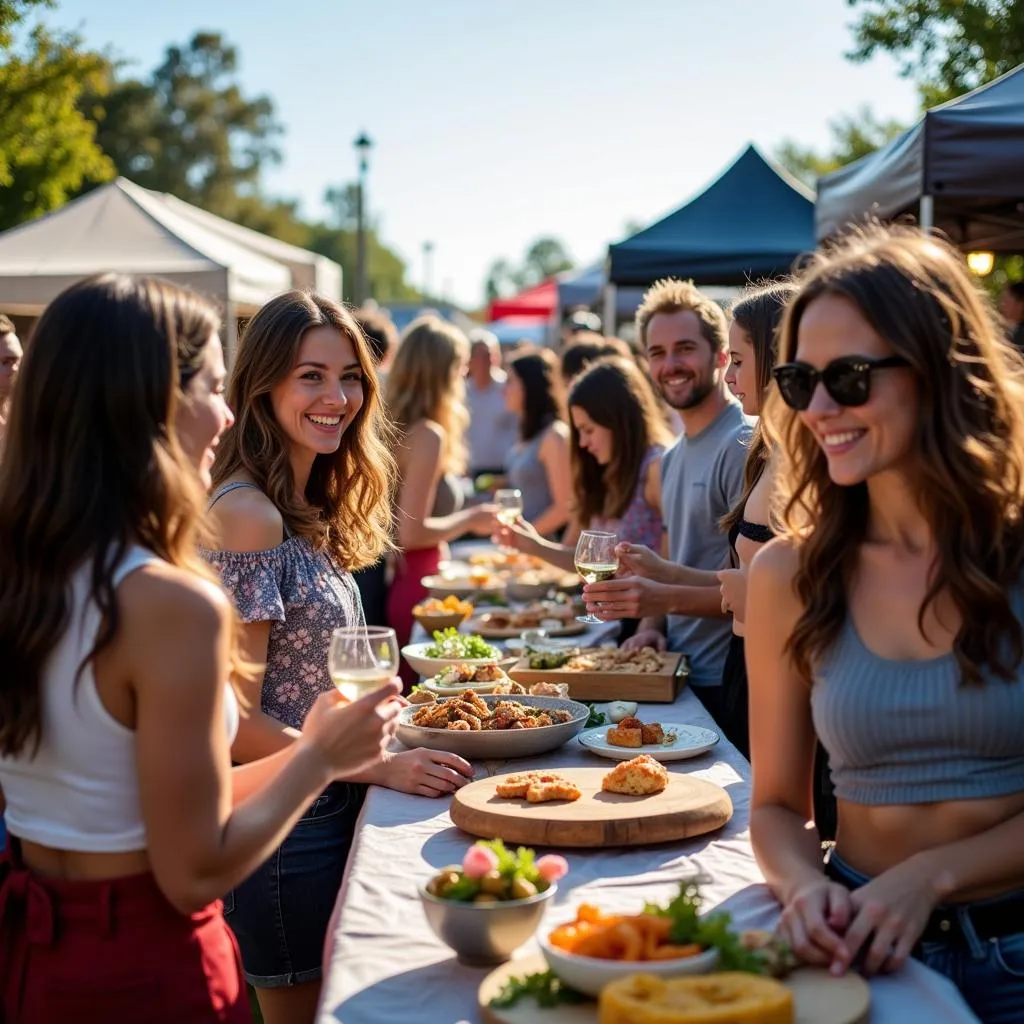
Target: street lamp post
363, 145
428, 252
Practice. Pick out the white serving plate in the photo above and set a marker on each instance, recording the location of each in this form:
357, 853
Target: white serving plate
691, 741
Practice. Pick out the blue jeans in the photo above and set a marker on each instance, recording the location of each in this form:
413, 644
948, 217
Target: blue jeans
280, 913
988, 972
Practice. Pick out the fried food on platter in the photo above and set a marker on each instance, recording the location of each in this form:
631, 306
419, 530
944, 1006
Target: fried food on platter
540, 792
624, 736
640, 777
469, 709
519, 786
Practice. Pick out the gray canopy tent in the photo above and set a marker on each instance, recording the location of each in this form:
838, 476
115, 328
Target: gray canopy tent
960, 169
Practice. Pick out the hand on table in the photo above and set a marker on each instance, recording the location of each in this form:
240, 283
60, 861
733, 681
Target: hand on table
646, 638
425, 772
889, 915
814, 921
734, 592
630, 598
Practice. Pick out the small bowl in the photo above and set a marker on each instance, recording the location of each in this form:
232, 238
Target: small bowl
589, 974
432, 621
483, 934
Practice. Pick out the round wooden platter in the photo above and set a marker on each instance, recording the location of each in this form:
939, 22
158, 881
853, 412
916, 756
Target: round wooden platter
818, 998
686, 807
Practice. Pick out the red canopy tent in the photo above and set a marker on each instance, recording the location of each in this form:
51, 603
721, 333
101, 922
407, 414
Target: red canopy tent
539, 302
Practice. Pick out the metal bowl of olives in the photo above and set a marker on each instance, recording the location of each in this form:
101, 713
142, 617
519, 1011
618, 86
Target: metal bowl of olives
490, 927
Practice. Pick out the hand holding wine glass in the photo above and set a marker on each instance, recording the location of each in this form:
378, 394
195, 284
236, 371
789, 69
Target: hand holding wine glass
510, 508
362, 659
596, 560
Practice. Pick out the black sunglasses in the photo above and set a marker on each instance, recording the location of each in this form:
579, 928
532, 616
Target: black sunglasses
847, 380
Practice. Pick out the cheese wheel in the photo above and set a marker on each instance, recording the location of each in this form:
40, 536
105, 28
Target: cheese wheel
728, 997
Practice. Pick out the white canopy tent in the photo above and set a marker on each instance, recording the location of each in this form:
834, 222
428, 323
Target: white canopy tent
122, 227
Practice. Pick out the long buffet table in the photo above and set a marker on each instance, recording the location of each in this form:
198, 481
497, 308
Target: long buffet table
383, 964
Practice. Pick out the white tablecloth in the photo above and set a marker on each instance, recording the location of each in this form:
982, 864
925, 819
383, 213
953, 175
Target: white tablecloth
383, 964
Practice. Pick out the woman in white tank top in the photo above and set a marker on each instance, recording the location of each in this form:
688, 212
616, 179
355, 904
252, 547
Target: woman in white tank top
126, 821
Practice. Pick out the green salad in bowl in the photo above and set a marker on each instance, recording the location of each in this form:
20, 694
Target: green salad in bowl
452, 645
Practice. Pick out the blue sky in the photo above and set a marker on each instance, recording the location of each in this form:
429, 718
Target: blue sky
496, 122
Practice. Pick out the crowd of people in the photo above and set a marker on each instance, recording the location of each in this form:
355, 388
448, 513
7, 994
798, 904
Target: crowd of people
818, 498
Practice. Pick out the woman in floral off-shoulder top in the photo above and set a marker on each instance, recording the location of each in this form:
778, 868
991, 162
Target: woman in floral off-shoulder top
302, 489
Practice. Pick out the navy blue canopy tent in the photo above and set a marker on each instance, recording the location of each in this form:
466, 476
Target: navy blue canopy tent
961, 168
753, 221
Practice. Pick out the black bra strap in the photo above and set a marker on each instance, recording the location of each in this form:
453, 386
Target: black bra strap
756, 532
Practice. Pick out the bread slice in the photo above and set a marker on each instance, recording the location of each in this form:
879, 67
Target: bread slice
639, 777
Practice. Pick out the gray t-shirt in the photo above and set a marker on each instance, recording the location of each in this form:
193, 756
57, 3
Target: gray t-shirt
493, 430
701, 480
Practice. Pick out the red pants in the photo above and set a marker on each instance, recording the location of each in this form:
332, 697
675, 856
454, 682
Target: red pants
113, 951
405, 593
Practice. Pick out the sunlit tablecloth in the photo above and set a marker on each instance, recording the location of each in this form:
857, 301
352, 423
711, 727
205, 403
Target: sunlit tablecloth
383, 964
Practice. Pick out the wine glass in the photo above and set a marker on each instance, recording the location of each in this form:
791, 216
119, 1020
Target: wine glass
596, 561
362, 659
510, 507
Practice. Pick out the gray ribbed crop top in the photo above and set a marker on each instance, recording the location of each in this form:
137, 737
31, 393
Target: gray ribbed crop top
908, 732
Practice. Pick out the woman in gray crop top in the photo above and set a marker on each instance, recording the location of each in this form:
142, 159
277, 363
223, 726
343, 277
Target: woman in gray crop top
888, 619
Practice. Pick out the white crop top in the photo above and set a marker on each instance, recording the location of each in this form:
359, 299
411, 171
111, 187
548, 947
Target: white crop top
81, 790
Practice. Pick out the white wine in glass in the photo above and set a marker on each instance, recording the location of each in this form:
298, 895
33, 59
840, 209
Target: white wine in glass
510, 508
596, 561
362, 659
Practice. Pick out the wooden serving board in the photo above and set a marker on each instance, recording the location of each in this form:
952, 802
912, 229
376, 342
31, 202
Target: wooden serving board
818, 998
646, 687
687, 807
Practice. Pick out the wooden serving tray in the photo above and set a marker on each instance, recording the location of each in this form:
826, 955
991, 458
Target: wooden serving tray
645, 687
687, 807
818, 998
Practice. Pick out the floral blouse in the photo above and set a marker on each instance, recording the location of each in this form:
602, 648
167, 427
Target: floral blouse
640, 523
305, 596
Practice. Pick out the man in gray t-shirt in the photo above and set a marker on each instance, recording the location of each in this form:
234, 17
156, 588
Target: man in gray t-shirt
684, 334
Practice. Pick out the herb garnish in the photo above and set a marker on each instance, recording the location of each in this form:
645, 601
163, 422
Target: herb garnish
545, 988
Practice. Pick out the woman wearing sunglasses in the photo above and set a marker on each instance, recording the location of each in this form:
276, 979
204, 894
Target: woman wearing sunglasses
890, 622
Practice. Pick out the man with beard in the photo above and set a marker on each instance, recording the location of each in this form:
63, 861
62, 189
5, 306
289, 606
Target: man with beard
684, 335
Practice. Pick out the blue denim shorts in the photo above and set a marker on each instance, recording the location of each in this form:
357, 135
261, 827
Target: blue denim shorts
988, 972
280, 914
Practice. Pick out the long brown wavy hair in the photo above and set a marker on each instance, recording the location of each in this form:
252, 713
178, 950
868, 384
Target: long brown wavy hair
758, 313
615, 395
91, 466
918, 295
426, 382
346, 507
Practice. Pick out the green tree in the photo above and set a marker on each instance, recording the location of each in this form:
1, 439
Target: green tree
12, 14
544, 258
48, 146
188, 129
853, 136
947, 47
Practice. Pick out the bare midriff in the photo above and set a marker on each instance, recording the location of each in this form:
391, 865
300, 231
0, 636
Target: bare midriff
874, 839
76, 866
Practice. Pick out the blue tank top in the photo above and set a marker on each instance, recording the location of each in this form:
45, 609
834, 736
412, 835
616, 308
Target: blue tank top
910, 732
